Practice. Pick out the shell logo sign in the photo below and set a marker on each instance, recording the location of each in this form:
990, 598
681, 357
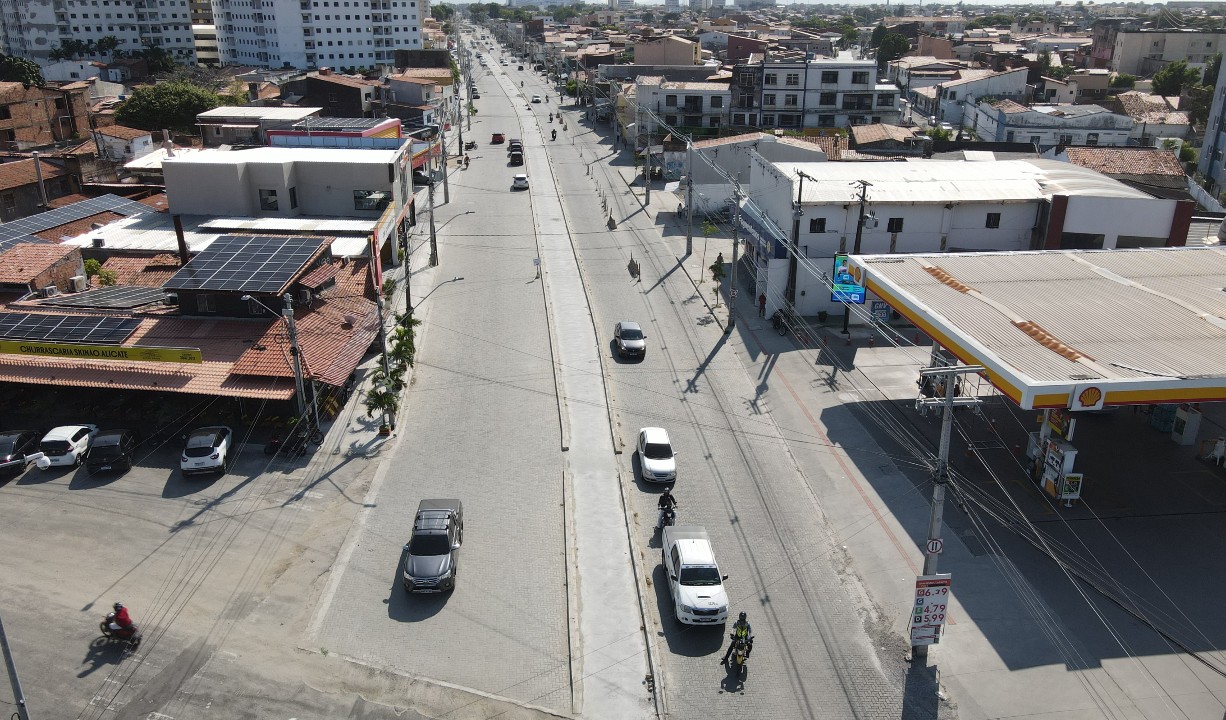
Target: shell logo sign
1087, 397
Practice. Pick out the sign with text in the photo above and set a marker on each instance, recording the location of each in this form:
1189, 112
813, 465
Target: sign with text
846, 288
928, 612
99, 352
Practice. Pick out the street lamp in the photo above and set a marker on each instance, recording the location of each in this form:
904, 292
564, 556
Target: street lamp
287, 317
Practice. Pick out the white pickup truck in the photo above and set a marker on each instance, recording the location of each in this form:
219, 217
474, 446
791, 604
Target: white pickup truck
694, 580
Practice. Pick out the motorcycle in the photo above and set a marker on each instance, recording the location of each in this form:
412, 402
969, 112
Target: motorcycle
553, 135
778, 324
130, 635
668, 517
740, 656
471, 145
297, 445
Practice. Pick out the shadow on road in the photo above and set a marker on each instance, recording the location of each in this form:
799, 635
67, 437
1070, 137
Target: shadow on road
85, 480
684, 640
101, 652
34, 476
734, 679
180, 485
920, 700
405, 607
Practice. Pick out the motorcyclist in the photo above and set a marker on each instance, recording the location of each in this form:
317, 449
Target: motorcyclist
121, 623
742, 631
521, 83
554, 135
466, 160
667, 502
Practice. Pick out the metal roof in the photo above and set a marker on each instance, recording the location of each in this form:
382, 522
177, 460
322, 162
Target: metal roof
1143, 326
256, 113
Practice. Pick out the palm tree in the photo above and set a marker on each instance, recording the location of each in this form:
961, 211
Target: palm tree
380, 400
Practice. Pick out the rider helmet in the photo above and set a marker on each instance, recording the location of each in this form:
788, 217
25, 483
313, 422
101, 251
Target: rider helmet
118, 606
741, 617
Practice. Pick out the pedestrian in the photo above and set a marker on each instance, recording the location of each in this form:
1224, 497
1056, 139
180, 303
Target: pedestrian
762, 305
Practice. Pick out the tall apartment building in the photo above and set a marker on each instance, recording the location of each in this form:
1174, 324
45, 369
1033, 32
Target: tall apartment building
202, 11
32, 28
309, 34
1143, 52
812, 94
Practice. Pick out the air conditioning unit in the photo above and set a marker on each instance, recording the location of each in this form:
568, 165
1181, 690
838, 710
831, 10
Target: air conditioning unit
304, 297
79, 283
50, 291
171, 300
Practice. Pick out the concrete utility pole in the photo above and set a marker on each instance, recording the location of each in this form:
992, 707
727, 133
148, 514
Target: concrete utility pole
855, 249
797, 213
446, 190
295, 353
689, 199
736, 209
19, 696
433, 232
408, 268
951, 373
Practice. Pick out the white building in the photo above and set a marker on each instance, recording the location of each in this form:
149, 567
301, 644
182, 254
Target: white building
938, 206
682, 104
205, 37
317, 33
32, 28
1047, 125
952, 96
824, 93
119, 144
1144, 52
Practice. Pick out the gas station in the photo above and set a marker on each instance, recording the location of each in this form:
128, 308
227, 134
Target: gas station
1073, 332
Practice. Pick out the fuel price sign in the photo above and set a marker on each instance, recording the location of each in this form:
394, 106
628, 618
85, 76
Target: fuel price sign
930, 608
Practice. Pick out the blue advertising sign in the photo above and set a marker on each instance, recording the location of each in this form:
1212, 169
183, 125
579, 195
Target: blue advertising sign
764, 234
846, 289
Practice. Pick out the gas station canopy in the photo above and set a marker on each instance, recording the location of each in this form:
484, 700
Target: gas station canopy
1071, 329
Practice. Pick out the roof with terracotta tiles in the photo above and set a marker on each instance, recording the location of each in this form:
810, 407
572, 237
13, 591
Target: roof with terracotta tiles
730, 140
347, 80
835, 146
1127, 161
317, 277
123, 132
1152, 109
1009, 107
22, 262
143, 271
21, 172
866, 134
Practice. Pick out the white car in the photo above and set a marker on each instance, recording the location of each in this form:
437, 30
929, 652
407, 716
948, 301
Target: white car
536, 98
66, 445
657, 461
207, 450
519, 182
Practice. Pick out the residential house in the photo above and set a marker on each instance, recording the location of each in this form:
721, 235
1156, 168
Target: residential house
914, 72
821, 93
888, 140
34, 116
36, 267
741, 47
120, 144
70, 70
20, 191
937, 46
689, 106
1083, 86
1154, 117
1047, 126
1102, 39
230, 125
953, 96
341, 96
418, 102
667, 50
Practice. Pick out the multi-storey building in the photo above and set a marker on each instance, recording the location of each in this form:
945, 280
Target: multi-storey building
821, 93
690, 105
33, 28
316, 33
1144, 51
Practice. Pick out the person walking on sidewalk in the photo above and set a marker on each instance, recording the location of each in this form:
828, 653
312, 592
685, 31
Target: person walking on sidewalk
762, 305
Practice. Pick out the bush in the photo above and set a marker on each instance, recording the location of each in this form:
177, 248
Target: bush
1123, 80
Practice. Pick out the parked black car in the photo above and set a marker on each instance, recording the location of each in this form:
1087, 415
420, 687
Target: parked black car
14, 446
422, 178
111, 451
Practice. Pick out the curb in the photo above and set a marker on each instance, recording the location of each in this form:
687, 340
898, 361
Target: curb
572, 592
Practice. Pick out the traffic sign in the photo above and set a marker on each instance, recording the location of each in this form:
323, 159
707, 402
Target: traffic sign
935, 546
733, 293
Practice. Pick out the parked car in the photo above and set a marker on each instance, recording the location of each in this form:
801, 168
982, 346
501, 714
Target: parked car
631, 342
428, 561
498, 139
65, 445
207, 450
515, 144
536, 98
420, 177
476, 95
111, 451
15, 445
657, 460
521, 67
519, 182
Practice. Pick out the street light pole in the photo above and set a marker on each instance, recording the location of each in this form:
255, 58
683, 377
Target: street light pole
797, 212
295, 353
689, 199
855, 250
443, 137
433, 233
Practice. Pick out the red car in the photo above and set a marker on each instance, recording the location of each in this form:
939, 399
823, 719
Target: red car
498, 139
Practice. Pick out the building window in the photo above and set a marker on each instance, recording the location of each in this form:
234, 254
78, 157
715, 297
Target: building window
859, 78
828, 99
825, 121
817, 225
768, 121
371, 199
293, 198
1066, 139
793, 79
216, 132
332, 98
768, 99
830, 76
268, 199
205, 304
770, 79
738, 119
1035, 139
670, 100
790, 100
894, 225
993, 220
1091, 138
886, 100
1009, 136
714, 122
717, 101
670, 119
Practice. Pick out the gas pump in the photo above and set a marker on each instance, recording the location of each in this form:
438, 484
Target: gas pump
1054, 457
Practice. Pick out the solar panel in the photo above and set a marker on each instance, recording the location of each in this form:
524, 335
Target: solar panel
321, 123
66, 328
23, 229
247, 263
117, 297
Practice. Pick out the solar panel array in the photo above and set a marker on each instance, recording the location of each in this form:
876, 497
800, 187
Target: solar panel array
247, 263
66, 328
23, 229
117, 297
323, 123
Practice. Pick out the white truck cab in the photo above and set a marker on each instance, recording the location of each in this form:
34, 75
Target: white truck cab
694, 580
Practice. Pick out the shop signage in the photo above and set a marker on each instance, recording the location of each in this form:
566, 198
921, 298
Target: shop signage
766, 236
99, 352
931, 606
1087, 397
846, 288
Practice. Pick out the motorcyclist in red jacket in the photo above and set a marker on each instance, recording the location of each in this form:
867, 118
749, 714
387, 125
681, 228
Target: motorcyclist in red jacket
121, 623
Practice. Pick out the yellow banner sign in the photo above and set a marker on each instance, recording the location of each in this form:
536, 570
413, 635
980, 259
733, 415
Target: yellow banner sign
100, 352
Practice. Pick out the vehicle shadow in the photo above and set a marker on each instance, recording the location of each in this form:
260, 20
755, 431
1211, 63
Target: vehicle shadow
734, 681
83, 479
34, 476
404, 607
686, 640
101, 652
617, 357
179, 485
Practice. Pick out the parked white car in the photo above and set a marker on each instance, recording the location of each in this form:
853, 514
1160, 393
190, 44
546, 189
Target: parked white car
207, 450
65, 445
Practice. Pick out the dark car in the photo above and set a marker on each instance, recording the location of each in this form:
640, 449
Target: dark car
521, 67
111, 451
14, 446
516, 145
517, 158
631, 342
428, 561
422, 178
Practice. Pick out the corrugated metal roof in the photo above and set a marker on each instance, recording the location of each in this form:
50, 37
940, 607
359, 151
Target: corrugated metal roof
1153, 318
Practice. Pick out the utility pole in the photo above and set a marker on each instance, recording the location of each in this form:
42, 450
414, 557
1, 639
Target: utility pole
433, 233
797, 212
689, 199
951, 373
855, 250
388, 420
19, 696
647, 177
736, 209
296, 352
446, 189
408, 269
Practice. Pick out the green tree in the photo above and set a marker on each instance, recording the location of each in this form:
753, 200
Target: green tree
107, 278
649, 17
879, 33
108, 44
16, 69
937, 133
1123, 80
1212, 68
900, 11
172, 105
672, 17
1172, 79
92, 267
442, 12
892, 47
565, 13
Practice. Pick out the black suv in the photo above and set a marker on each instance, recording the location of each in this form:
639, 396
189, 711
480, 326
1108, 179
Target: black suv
111, 450
428, 560
14, 446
